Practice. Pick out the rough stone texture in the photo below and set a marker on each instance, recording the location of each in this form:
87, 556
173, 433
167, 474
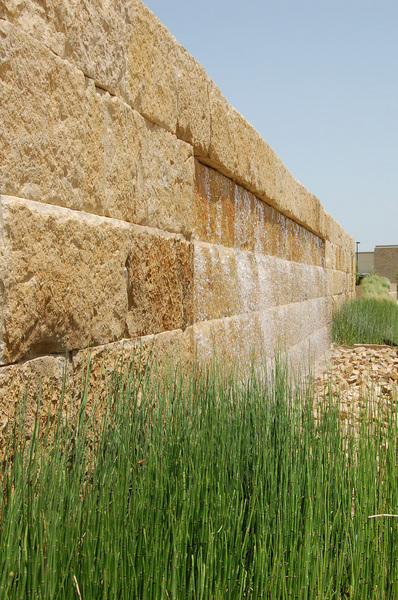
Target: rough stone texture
222, 149
193, 115
167, 181
91, 35
41, 378
51, 121
63, 279
151, 74
234, 341
228, 281
63, 141
160, 290
160, 352
103, 112
241, 339
227, 214
359, 378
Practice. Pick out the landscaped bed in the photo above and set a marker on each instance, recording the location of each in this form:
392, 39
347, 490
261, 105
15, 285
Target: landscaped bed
202, 486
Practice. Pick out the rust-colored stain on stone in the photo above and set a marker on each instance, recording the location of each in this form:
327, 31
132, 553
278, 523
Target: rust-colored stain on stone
229, 215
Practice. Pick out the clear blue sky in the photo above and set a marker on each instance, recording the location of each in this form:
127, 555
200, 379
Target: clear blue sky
319, 80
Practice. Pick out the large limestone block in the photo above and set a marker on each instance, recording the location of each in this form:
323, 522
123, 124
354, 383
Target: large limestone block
91, 35
148, 172
216, 292
214, 207
63, 279
130, 360
44, 379
160, 286
222, 149
97, 34
303, 356
336, 282
193, 118
254, 157
151, 68
124, 137
330, 255
166, 181
51, 127
233, 341
228, 214
64, 141
44, 22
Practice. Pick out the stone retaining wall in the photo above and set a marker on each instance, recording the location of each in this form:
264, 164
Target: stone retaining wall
139, 207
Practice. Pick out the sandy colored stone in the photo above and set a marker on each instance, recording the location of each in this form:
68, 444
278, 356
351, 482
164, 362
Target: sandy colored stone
227, 214
193, 118
364, 379
97, 34
42, 378
45, 23
63, 141
124, 138
151, 68
214, 207
222, 149
92, 36
130, 359
51, 127
299, 320
167, 181
234, 341
216, 292
335, 282
63, 279
253, 155
148, 172
159, 279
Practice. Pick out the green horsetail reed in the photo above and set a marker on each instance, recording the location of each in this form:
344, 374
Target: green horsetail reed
200, 486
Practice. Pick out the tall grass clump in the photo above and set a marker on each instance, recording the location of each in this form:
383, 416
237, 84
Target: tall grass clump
200, 487
366, 321
375, 286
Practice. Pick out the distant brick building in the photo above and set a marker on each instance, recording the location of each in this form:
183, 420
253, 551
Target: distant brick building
366, 262
386, 261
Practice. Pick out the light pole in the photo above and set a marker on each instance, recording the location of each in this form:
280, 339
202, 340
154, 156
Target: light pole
357, 251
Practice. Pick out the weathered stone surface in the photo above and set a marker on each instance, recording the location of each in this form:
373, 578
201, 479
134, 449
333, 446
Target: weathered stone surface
131, 358
92, 36
167, 181
303, 355
222, 149
227, 214
234, 341
253, 276
124, 137
228, 282
63, 141
45, 23
148, 172
63, 279
216, 293
160, 286
51, 127
151, 73
97, 34
42, 378
193, 117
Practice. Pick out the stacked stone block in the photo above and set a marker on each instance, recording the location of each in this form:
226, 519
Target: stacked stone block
139, 208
